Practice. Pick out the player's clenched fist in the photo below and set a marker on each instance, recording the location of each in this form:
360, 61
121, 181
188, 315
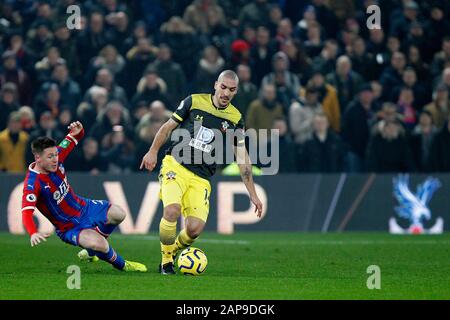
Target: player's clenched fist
149, 161
37, 237
75, 128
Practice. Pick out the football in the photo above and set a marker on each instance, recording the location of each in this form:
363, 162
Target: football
192, 261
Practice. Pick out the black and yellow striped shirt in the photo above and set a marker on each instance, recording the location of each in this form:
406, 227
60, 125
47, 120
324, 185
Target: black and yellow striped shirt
198, 115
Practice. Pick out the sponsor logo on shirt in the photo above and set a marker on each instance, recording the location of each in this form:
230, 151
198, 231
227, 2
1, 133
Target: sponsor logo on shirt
202, 139
64, 144
62, 191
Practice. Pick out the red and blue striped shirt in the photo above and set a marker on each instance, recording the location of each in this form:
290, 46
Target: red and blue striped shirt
52, 194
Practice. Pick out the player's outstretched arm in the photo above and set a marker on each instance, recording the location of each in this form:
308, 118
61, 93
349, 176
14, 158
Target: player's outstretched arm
31, 191
151, 157
37, 238
27, 220
245, 168
75, 128
76, 133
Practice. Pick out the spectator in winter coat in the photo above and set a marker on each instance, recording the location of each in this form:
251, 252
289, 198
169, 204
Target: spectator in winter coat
263, 111
172, 74
13, 142
440, 150
388, 150
11, 72
392, 75
328, 99
421, 140
355, 128
301, 115
287, 83
346, 81
324, 151
247, 91
440, 107
8, 103
208, 69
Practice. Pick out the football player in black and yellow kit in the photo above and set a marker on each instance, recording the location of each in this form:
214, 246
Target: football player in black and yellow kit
185, 187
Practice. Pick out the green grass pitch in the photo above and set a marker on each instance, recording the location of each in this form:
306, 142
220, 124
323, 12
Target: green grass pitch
242, 266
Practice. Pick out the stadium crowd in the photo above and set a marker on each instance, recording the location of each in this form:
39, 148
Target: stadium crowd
344, 97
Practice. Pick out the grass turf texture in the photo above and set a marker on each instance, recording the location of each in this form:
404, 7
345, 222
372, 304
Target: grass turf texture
241, 266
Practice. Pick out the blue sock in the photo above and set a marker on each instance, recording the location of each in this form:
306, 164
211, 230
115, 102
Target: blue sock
112, 257
91, 252
106, 229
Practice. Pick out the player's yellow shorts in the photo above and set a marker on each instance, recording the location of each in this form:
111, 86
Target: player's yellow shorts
182, 186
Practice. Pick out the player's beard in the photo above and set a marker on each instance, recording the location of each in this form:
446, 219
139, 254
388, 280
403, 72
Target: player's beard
224, 101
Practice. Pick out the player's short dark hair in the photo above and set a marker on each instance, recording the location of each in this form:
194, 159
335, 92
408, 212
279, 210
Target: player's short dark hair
40, 144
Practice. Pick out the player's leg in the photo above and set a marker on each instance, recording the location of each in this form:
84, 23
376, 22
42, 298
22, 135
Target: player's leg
92, 240
167, 236
107, 217
173, 185
114, 216
99, 246
193, 228
196, 212
100, 220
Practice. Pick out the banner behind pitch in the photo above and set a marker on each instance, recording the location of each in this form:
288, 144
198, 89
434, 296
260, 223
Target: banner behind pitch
292, 202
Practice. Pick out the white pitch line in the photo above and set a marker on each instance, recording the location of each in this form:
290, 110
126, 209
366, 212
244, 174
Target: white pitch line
241, 242
307, 243
366, 242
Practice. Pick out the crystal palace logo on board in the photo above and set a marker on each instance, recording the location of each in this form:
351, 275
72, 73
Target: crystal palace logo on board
413, 207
